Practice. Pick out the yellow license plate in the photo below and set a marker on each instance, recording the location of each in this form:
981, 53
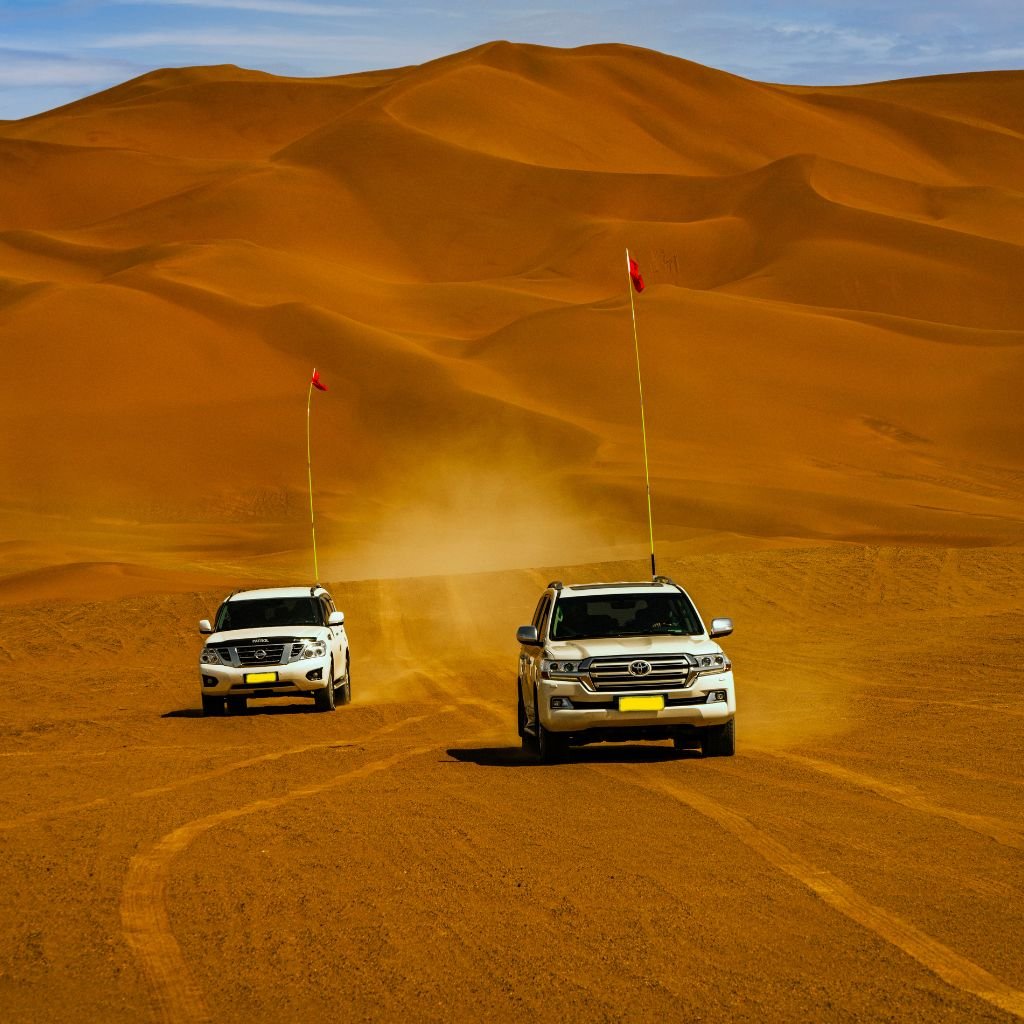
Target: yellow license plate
641, 703
261, 677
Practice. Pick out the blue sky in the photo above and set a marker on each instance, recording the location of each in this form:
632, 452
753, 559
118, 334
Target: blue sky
53, 51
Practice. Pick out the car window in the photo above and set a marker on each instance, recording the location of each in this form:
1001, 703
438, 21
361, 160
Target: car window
543, 617
615, 615
270, 612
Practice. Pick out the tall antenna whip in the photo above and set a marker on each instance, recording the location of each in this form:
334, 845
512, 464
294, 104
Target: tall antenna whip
636, 282
314, 382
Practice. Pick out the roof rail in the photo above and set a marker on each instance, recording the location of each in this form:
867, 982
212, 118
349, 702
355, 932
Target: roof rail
666, 579
313, 589
555, 585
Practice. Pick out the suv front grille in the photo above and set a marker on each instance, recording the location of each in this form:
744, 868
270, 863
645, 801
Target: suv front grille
667, 670
278, 650
259, 654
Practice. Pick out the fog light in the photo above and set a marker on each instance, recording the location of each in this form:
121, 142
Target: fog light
315, 674
561, 702
715, 696
209, 681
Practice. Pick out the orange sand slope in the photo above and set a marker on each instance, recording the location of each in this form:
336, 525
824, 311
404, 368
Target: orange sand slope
833, 332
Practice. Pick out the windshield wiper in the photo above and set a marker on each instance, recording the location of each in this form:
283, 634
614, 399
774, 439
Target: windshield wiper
657, 632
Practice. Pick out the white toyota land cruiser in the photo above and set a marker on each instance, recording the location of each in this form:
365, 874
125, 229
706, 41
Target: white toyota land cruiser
623, 661
284, 642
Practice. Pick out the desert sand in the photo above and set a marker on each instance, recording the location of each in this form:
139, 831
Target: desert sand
833, 344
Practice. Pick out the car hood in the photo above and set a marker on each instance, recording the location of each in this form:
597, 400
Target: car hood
563, 650
231, 636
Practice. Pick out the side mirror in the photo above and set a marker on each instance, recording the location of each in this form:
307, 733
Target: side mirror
527, 636
720, 627
336, 619
205, 627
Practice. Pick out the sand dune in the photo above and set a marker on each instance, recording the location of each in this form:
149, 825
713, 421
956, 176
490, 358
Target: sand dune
409, 836
833, 343
445, 242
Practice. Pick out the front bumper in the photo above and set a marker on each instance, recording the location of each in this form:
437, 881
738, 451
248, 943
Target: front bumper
292, 679
683, 709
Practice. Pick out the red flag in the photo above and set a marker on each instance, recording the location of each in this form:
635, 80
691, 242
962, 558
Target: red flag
321, 386
635, 276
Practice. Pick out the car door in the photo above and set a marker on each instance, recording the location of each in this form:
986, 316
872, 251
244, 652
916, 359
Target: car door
336, 636
530, 658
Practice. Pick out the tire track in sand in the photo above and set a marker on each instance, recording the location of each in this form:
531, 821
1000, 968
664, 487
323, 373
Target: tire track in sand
422, 666
1001, 831
942, 961
960, 705
942, 767
227, 769
438, 677
145, 923
276, 755
51, 812
464, 613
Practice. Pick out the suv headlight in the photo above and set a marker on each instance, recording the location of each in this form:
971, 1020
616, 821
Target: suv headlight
314, 649
211, 656
561, 669
708, 664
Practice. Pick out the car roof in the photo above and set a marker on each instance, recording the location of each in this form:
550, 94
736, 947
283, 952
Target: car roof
265, 592
621, 588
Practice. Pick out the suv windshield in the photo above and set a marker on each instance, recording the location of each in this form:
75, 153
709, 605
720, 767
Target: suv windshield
270, 611
577, 618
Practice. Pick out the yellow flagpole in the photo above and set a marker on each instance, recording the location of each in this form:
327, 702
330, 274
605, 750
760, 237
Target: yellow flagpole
309, 471
643, 418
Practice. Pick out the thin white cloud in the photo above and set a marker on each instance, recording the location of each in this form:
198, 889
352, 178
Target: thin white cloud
299, 53
28, 70
304, 42
296, 7
837, 38
800, 41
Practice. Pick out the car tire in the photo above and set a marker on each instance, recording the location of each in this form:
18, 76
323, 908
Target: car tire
520, 711
551, 747
212, 705
237, 705
324, 699
345, 690
528, 739
720, 740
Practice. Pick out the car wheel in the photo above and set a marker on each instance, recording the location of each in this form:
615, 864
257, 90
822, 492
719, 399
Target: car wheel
324, 699
529, 739
237, 705
719, 741
520, 711
550, 746
212, 705
345, 691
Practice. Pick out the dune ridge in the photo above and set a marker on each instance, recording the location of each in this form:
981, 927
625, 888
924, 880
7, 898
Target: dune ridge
833, 343
833, 333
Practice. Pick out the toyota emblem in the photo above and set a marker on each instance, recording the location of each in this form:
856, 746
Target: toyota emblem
640, 668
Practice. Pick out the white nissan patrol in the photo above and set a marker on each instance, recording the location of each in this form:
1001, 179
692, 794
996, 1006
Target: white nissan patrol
623, 661
284, 642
